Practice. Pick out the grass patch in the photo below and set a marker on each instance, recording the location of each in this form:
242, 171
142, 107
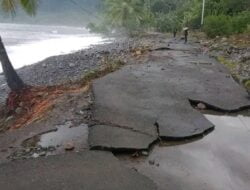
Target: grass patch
247, 83
109, 66
232, 66
228, 63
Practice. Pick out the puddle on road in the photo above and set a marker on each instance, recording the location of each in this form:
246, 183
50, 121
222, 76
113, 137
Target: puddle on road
220, 160
64, 134
67, 133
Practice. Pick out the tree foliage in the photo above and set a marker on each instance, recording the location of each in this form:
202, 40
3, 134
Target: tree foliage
166, 15
124, 14
10, 6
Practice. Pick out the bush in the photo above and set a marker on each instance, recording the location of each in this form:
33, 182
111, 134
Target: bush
240, 22
167, 22
223, 25
220, 25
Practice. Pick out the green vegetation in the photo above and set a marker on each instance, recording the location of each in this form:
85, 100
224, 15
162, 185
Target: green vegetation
29, 6
110, 65
247, 84
218, 26
222, 17
224, 25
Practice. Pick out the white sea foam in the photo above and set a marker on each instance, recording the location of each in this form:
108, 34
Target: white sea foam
28, 44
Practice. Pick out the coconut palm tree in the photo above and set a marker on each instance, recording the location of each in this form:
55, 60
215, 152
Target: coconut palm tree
14, 82
124, 13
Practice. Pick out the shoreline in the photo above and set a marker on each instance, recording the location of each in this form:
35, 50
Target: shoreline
62, 69
71, 67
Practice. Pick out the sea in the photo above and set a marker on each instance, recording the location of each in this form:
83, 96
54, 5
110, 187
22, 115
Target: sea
28, 44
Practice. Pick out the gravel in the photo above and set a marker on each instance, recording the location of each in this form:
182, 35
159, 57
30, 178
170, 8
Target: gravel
61, 69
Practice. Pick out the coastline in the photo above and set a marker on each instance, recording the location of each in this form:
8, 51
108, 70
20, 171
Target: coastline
62, 69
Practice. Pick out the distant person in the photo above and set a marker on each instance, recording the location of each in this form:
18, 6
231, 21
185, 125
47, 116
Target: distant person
185, 34
175, 32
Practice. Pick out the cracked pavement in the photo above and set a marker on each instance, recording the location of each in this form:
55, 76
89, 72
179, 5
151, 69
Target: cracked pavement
154, 99
134, 107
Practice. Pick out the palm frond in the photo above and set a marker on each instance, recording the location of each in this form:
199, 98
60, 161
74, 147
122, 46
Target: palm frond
29, 6
9, 6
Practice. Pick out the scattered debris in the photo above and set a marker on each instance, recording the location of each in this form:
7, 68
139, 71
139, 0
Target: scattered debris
201, 106
69, 146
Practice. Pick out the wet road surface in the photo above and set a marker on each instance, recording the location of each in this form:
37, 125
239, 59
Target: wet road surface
219, 161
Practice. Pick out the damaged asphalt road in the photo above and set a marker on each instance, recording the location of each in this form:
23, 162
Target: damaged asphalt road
132, 109
155, 98
86, 170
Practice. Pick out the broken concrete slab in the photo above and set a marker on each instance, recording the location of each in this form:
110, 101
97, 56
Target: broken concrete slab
87, 170
118, 139
160, 91
219, 161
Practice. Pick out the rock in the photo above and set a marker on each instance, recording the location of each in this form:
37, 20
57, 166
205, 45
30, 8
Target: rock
42, 154
72, 65
18, 110
201, 106
27, 150
35, 155
21, 104
224, 39
44, 65
45, 95
69, 146
144, 153
81, 112
138, 52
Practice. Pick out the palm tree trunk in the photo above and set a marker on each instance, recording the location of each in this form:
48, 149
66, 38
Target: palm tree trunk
14, 82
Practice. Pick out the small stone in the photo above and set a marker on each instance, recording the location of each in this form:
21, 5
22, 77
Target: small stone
224, 39
201, 106
71, 65
151, 162
27, 150
44, 65
18, 110
81, 112
144, 153
42, 154
45, 95
158, 165
69, 146
35, 155
138, 52
21, 104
